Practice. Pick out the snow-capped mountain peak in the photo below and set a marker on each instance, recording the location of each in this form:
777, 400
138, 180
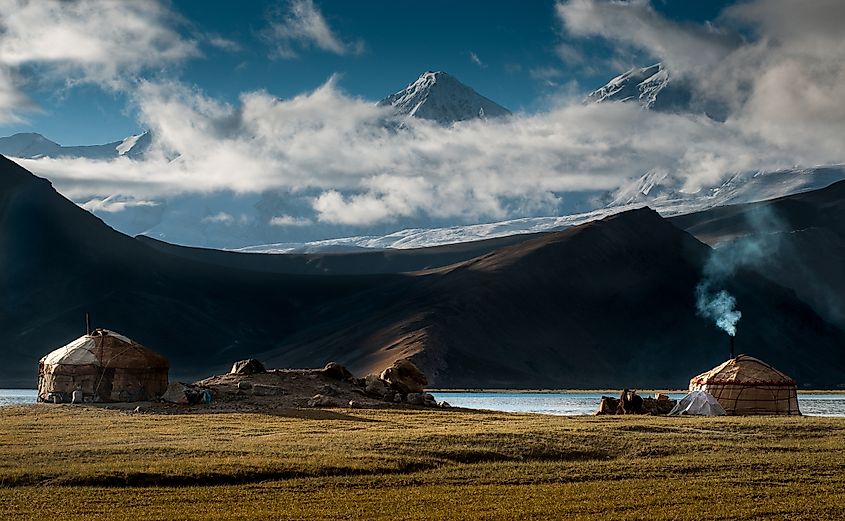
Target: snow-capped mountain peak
439, 96
656, 88
638, 84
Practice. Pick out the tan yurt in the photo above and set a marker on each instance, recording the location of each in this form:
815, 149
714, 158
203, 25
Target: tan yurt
745, 386
102, 366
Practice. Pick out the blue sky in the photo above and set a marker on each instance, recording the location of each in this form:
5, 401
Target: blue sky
516, 44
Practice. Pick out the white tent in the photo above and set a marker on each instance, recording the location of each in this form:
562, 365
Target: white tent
698, 403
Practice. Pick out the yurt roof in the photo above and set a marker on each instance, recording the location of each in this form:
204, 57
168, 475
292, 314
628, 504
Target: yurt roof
745, 370
106, 348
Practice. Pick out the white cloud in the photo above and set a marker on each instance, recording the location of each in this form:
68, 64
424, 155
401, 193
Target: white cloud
85, 41
289, 220
684, 47
115, 204
225, 44
351, 163
221, 217
476, 60
778, 65
13, 101
547, 75
569, 54
302, 25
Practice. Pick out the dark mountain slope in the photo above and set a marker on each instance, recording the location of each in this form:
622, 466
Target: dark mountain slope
609, 303
797, 241
58, 261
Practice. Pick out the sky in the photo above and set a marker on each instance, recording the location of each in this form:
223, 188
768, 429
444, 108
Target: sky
263, 114
507, 50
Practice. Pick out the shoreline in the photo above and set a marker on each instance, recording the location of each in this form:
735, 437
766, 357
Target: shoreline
549, 391
602, 391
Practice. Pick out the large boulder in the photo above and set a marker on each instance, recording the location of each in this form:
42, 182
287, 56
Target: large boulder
375, 386
336, 371
176, 393
404, 377
248, 366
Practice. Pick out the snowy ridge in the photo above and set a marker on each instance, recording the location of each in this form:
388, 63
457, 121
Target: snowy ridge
655, 88
647, 190
440, 97
33, 146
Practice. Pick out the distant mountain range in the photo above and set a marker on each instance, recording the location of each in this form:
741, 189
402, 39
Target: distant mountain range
609, 303
435, 96
246, 222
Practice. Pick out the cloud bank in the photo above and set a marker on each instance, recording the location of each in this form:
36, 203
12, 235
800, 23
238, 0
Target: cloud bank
85, 41
348, 162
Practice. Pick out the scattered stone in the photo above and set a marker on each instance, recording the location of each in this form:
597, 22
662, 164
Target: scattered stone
198, 396
248, 366
444, 405
318, 400
267, 390
137, 410
328, 390
336, 371
176, 393
405, 377
245, 386
354, 405
610, 405
397, 398
416, 399
429, 399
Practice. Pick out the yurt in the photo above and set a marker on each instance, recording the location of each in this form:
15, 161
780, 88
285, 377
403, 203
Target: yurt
102, 366
745, 385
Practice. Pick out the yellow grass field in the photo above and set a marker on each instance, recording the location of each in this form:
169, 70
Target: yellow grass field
66, 462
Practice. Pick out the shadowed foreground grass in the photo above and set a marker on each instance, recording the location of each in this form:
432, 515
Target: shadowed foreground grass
66, 462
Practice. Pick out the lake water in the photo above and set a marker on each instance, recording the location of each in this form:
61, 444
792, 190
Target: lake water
16, 396
568, 404
574, 404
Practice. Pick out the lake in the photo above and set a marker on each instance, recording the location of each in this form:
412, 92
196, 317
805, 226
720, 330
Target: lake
567, 404
575, 404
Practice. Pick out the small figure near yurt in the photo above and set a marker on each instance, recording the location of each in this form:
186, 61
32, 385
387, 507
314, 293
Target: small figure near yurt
102, 366
747, 386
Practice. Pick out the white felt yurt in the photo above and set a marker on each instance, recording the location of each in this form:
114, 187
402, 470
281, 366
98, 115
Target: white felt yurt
104, 367
745, 385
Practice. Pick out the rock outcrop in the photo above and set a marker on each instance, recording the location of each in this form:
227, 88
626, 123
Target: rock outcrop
248, 366
404, 377
336, 371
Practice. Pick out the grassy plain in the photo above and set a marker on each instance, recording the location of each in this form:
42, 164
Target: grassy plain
65, 462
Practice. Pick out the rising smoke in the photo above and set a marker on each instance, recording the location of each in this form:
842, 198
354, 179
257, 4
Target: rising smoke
761, 242
720, 306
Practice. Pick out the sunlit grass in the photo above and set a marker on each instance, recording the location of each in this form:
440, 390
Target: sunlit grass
67, 463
